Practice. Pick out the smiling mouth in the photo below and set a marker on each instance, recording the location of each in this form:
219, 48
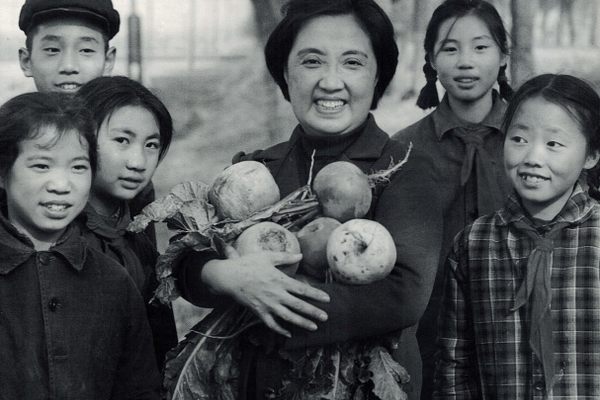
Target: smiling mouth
466, 80
69, 87
330, 105
56, 207
529, 178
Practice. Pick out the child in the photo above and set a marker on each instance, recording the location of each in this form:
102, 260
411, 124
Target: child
466, 48
522, 293
67, 42
67, 46
72, 323
134, 133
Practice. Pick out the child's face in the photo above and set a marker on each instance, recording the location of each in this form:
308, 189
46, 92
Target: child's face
466, 58
65, 54
544, 154
128, 150
48, 184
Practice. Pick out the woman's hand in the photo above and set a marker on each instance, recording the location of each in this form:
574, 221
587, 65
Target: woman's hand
255, 282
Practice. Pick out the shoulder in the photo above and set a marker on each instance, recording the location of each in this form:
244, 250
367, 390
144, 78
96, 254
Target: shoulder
274, 152
417, 130
106, 270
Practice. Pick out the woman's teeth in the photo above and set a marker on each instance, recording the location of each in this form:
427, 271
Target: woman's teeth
330, 104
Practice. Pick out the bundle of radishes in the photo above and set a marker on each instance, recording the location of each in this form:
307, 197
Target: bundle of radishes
243, 208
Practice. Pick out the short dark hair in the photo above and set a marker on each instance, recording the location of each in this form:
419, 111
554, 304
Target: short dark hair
574, 95
24, 117
369, 15
106, 94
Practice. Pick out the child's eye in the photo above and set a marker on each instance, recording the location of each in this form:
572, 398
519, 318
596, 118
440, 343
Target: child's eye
122, 140
51, 50
449, 49
554, 144
88, 51
81, 168
517, 139
153, 145
482, 47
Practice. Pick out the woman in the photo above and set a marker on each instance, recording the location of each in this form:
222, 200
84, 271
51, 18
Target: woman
332, 60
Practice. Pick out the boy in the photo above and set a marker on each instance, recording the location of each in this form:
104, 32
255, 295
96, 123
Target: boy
67, 42
522, 293
72, 323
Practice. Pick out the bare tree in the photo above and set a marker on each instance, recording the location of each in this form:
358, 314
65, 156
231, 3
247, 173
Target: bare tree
522, 64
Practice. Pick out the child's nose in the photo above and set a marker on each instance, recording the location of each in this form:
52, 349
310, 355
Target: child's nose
69, 63
137, 160
534, 155
465, 58
58, 183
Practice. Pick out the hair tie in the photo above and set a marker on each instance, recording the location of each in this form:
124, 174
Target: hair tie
428, 97
506, 91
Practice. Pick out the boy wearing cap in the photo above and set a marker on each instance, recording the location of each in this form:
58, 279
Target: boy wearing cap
67, 42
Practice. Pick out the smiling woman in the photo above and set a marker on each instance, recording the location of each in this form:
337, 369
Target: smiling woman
333, 61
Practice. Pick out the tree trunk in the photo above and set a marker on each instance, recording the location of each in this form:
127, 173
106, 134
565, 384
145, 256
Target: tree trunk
521, 64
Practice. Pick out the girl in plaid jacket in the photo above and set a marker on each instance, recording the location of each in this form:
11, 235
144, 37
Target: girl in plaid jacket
521, 304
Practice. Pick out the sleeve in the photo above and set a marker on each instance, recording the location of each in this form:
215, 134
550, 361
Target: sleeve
408, 208
456, 372
137, 375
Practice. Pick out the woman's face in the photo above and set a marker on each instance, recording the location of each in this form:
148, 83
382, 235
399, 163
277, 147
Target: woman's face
331, 75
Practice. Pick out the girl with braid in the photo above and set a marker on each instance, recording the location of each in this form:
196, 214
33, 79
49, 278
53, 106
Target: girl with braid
466, 50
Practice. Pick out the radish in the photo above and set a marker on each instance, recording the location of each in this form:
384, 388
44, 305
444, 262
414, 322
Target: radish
313, 239
242, 189
268, 236
360, 251
343, 191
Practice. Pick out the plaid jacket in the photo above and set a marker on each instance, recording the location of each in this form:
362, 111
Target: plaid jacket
485, 353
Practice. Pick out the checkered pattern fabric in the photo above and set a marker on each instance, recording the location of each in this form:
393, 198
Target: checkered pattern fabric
484, 349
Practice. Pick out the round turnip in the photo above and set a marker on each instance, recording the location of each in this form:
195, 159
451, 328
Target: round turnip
343, 191
268, 236
242, 189
313, 244
360, 251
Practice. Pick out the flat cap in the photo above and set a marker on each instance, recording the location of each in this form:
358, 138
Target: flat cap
100, 11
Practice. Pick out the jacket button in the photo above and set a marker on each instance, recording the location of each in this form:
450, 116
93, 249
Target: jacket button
44, 258
53, 304
539, 385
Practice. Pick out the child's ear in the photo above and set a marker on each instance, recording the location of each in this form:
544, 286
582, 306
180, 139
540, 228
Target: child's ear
109, 60
25, 62
591, 160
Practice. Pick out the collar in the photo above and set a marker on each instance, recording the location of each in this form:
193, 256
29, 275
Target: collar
107, 227
16, 248
369, 143
576, 210
444, 120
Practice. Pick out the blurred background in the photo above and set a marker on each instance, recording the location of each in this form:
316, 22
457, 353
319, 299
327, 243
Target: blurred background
204, 59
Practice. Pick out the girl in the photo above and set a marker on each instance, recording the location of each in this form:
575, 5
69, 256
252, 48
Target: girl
134, 133
522, 285
55, 291
466, 48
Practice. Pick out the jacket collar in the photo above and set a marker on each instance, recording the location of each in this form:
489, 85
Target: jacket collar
444, 120
16, 248
576, 210
368, 145
107, 227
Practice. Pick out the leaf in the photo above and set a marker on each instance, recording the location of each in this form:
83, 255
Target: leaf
387, 376
205, 367
166, 291
168, 206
